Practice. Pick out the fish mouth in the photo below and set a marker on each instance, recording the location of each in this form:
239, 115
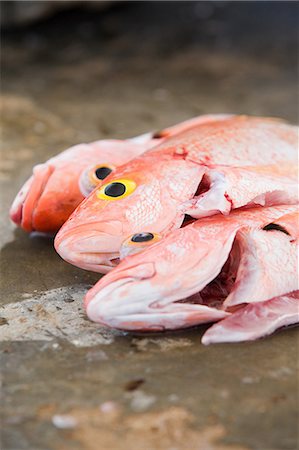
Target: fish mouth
146, 316
130, 302
26, 202
77, 246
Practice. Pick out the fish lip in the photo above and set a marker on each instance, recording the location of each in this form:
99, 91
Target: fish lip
107, 287
78, 245
92, 227
104, 267
16, 209
112, 282
104, 264
95, 261
96, 309
25, 203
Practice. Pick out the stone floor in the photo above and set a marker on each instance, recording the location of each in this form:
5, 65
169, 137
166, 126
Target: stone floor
82, 75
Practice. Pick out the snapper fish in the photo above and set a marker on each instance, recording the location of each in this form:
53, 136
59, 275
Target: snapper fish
238, 270
58, 186
213, 167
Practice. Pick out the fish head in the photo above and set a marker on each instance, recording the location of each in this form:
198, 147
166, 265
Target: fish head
145, 291
58, 186
144, 194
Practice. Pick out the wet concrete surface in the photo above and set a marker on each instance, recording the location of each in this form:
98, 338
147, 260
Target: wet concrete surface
80, 76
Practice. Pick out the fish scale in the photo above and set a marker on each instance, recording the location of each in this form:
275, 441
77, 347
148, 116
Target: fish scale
167, 178
73, 176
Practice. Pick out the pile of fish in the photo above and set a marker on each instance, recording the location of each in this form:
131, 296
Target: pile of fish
195, 224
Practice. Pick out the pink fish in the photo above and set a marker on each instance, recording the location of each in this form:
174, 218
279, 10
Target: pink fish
205, 272
200, 171
58, 186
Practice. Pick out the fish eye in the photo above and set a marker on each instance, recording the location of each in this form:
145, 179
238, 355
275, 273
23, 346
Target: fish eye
116, 190
138, 242
102, 172
92, 176
99, 173
142, 237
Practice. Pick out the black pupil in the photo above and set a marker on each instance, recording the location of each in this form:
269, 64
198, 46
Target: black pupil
142, 237
102, 172
115, 189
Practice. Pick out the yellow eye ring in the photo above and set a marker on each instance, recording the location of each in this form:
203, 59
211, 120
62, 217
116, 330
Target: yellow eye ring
142, 239
99, 173
138, 242
117, 189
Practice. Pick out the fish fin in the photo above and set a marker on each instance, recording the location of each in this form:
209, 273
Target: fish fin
267, 266
190, 123
255, 320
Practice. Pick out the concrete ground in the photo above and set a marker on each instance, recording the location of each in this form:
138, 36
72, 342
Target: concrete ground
82, 75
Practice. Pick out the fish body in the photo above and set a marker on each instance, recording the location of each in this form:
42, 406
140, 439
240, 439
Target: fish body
57, 186
213, 167
205, 272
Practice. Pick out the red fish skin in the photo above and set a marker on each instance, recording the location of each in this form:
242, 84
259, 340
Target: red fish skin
44, 205
166, 177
